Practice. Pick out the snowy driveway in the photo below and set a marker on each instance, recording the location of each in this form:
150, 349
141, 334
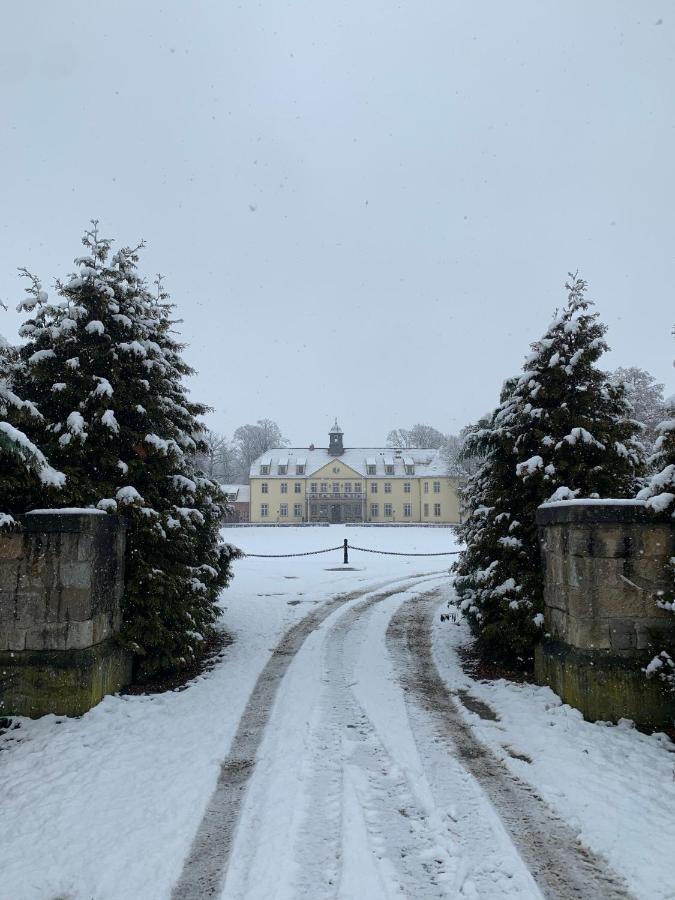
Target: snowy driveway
324, 756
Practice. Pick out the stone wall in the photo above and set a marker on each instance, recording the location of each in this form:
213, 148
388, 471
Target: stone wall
606, 564
61, 586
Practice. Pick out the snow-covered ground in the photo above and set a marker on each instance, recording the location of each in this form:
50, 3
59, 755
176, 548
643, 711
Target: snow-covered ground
352, 794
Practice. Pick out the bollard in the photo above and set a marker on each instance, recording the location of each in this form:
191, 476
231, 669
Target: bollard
346, 550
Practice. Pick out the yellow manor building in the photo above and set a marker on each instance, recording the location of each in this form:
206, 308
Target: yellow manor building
354, 484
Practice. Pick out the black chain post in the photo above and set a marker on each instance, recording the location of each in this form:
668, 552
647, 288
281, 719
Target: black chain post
346, 549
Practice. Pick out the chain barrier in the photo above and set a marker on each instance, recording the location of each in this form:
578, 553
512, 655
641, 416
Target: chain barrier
346, 547
288, 555
394, 553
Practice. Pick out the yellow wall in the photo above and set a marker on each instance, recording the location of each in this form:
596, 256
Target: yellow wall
274, 498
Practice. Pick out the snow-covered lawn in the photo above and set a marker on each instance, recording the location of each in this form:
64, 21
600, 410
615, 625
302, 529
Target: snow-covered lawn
106, 806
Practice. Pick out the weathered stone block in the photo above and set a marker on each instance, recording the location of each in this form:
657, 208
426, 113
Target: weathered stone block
11, 546
75, 574
12, 637
605, 567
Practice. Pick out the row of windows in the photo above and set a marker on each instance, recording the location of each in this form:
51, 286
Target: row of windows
407, 510
283, 510
389, 470
388, 510
297, 487
347, 487
282, 470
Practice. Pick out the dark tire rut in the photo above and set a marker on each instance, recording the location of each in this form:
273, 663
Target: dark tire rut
562, 868
204, 869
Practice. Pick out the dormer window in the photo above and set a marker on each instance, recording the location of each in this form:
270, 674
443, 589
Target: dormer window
371, 470
371, 466
388, 470
264, 470
300, 465
409, 464
388, 465
283, 465
265, 465
299, 470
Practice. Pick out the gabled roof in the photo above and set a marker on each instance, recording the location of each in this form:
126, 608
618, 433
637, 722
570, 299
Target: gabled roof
428, 463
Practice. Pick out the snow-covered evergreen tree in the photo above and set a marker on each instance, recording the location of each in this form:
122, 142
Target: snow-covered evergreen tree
659, 497
562, 430
23, 465
109, 373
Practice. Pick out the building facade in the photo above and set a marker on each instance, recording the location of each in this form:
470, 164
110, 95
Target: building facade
239, 499
360, 484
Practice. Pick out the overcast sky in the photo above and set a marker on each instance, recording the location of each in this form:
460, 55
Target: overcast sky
364, 209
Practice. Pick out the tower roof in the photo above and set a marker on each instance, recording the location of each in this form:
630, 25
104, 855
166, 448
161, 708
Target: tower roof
336, 428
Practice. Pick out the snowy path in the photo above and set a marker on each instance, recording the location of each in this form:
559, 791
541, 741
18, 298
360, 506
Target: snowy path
356, 778
323, 757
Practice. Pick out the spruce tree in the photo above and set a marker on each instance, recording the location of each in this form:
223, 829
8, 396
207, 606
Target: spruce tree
563, 430
109, 371
23, 465
659, 497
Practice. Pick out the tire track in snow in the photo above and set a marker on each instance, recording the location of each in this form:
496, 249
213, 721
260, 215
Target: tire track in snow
365, 831
204, 870
561, 866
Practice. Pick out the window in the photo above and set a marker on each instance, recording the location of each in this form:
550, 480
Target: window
263, 510
357, 487
324, 488
374, 510
387, 487
389, 470
373, 487
348, 487
426, 487
336, 487
284, 487
283, 510
297, 509
264, 470
410, 470
387, 509
370, 470
426, 509
437, 487
300, 470
437, 509
313, 487
298, 487
407, 510
264, 488
406, 487
282, 470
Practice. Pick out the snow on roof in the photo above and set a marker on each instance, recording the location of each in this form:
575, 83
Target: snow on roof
237, 493
426, 462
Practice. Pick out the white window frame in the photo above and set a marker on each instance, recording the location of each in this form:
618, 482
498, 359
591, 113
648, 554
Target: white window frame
437, 487
284, 487
374, 510
373, 487
283, 510
297, 509
264, 510
264, 488
387, 487
407, 510
388, 470
437, 510
298, 487
388, 510
407, 487
426, 487
371, 470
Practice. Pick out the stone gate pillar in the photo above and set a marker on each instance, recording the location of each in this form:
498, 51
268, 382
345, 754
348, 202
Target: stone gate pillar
61, 586
606, 564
